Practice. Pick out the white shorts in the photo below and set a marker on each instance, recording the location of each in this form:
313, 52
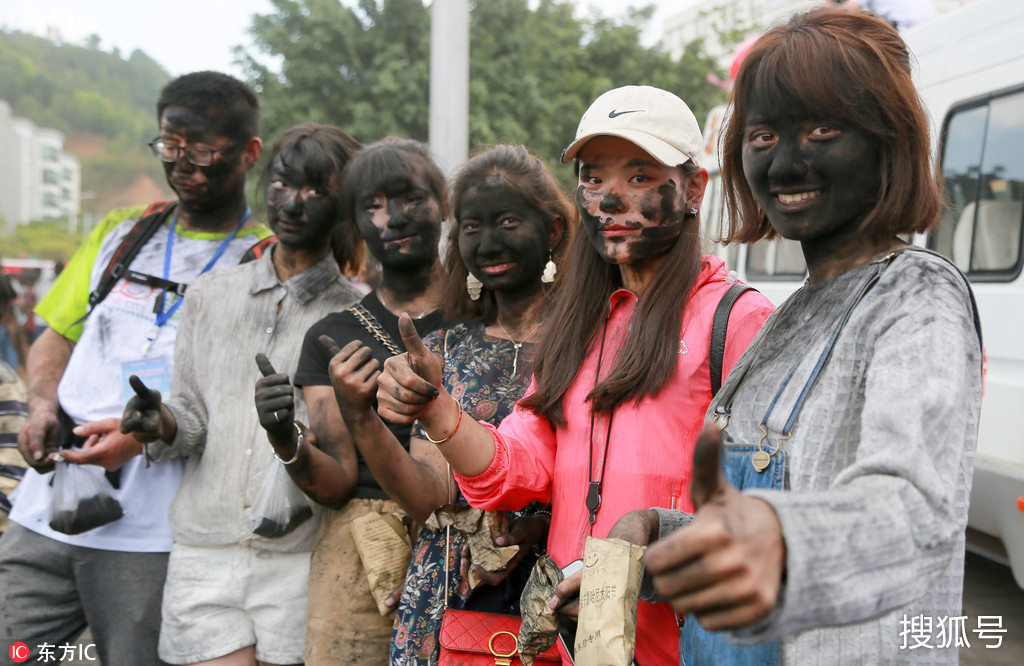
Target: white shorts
221, 599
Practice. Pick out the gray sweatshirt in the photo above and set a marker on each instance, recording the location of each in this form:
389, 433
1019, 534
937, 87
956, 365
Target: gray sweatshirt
879, 465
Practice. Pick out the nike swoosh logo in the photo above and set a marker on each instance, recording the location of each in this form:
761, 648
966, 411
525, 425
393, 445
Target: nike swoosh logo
616, 114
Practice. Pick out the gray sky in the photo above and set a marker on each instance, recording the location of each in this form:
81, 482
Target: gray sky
186, 35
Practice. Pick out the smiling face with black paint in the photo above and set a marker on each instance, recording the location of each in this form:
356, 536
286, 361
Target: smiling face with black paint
503, 240
301, 210
814, 177
400, 222
632, 206
205, 189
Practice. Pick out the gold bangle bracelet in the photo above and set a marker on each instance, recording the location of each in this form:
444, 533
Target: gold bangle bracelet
449, 435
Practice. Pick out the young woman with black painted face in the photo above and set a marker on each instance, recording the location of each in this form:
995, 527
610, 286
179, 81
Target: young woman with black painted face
395, 196
861, 396
511, 221
621, 375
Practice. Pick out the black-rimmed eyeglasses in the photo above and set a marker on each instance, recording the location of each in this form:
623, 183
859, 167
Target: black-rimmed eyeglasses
198, 155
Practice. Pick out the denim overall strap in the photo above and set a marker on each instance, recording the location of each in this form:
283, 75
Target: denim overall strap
785, 407
763, 465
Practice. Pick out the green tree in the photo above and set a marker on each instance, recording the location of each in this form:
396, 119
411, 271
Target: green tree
363, 69
533, 70
87, 93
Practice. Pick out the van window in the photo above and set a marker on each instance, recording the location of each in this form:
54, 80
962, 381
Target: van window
778, 259
983, 167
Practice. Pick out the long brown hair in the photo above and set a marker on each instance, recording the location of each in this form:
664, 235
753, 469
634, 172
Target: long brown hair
648, 357
848, 66
514, 168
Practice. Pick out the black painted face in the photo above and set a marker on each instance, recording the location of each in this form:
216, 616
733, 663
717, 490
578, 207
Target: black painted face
300, 212
504, 241
813, 177
202, 189
400, 223
631, 205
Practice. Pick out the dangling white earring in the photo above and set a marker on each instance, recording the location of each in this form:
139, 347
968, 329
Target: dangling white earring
693, 211
549, 271
473, 286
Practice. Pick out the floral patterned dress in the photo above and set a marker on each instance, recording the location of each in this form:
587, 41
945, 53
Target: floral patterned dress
478, 372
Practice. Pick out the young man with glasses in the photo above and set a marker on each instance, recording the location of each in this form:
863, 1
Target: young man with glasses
53, 584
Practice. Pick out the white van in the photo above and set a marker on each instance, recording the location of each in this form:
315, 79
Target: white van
970, 71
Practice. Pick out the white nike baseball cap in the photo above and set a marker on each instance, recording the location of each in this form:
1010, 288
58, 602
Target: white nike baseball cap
652, 118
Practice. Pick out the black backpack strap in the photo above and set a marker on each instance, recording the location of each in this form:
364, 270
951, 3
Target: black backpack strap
138, 236
719, 326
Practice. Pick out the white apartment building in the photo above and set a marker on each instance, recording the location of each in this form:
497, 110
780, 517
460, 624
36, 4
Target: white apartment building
38, 179
711, 18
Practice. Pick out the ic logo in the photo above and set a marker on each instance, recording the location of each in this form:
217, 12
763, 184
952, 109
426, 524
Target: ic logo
18, 652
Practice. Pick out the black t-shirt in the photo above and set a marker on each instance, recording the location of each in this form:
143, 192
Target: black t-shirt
343, 327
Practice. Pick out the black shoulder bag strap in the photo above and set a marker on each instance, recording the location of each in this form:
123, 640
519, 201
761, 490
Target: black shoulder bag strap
719, 326
131, 244
127, 249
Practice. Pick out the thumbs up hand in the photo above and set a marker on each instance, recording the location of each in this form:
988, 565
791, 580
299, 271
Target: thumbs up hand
726, 566
353, 371
409, 382
145, 416
422, 361
275, 401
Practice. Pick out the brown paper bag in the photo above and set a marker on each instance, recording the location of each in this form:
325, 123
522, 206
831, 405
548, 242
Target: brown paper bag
539, 629
480, 528
609, 593
482, 550
385, 548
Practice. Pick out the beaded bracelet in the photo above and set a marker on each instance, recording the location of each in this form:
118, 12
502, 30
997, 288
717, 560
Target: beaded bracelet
452, 433
298, 447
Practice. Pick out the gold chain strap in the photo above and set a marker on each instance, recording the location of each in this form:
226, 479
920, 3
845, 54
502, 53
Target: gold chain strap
373, 326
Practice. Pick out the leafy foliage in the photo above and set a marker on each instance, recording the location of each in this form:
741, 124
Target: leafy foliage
533, 70
78, 89
47, 239
85, 92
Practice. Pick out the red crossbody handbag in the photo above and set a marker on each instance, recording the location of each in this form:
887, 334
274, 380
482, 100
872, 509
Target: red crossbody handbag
472, 638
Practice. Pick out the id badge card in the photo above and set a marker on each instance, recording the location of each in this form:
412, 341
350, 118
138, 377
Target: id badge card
155, 373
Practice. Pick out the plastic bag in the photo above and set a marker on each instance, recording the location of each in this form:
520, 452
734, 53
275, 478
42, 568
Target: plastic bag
83, 498
280, 506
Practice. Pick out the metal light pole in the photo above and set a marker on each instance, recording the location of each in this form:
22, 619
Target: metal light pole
449, 82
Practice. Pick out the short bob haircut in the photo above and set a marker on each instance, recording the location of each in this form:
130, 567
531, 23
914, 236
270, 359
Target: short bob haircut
322, 151
389, 165
846, 66
517, 170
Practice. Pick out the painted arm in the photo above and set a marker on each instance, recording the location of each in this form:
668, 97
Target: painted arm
410, 389
47, 359
325, 466
419, 479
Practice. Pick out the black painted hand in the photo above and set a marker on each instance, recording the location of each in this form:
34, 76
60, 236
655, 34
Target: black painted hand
145, 416
275, 405
408, 385
353, 371
726, 566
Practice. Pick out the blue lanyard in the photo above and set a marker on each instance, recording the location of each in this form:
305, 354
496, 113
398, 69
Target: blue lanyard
163, 315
